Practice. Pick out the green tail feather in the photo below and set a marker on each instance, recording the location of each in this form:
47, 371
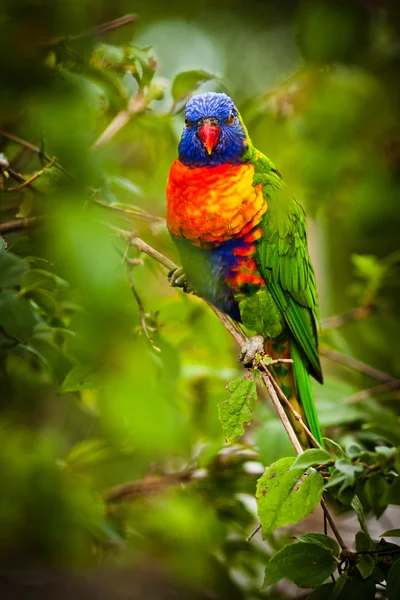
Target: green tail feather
305, 393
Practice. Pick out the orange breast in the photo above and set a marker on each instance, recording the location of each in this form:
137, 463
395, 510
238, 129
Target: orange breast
210, 205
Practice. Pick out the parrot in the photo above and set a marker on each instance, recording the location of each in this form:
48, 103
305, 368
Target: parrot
242, 240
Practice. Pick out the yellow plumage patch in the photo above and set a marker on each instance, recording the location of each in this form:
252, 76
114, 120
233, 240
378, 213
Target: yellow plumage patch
210, 205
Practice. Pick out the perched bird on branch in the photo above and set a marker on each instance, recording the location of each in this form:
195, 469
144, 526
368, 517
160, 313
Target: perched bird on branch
242, 239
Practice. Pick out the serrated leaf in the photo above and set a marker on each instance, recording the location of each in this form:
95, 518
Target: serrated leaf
307, 565
235, 412
16, 315
365, 565
391, 533
323, 540
311, 457
187, 82
81, 377
286, 496
393, 581
12, 269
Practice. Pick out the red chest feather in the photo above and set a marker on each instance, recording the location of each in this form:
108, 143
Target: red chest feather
210, 205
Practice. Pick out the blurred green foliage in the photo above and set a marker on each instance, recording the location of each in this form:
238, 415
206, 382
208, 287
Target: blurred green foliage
112, 454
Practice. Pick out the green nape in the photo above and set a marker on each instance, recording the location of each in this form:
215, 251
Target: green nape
305, 393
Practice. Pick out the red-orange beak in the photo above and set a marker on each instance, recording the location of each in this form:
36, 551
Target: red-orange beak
209, 132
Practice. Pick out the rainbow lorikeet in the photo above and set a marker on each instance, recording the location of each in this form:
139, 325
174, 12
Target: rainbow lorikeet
242, 240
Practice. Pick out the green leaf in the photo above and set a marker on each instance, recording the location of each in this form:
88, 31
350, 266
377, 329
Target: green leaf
187, 82
365, 565
86, 453
387, 431
16, 315
344, 474
286, 496
393, 581
359, 509
323, 540
11, 270
394, 492
81, 377
235, 412
357, 588
391, 533
311, 457
376, 490
307, 565
322, 592
339, 586
334, 448
363, 542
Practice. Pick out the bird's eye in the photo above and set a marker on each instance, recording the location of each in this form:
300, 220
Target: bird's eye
231, 119
188, 123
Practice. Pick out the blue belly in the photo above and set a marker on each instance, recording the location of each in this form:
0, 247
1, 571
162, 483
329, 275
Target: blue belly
207, 271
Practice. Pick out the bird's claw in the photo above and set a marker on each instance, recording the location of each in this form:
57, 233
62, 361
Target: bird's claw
178, 278
252, 347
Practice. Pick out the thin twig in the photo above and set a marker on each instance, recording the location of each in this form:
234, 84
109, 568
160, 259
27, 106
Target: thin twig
18, 224
374, 391
294, 412
138, 214
253, 533
144, 488
93, 31
142, 313
355, 364
29, 181
19, 178
278, 361
357, 314
34, 149
332, 524
152, 252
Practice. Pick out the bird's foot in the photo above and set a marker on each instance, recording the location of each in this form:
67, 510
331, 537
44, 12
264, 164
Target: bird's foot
178, 278
252, 347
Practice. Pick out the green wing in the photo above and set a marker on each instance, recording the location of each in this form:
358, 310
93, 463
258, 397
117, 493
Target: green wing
284, 262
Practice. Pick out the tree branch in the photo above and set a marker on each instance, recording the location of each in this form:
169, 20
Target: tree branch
93, 31
142, 313
34, 149
28, 182
137, 104
18, 224
355, 364
374, 391
144, 488
357, 314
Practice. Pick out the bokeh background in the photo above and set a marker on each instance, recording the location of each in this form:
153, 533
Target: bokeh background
87, 402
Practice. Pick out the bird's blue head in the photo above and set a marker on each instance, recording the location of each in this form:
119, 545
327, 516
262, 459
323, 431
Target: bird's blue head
213, 133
